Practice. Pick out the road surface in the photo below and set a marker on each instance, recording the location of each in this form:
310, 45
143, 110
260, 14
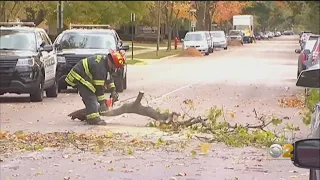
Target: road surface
241, 79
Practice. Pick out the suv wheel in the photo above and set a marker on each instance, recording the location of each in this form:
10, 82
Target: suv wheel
225, 48
125, 82
53, 90
119, 82
37, 95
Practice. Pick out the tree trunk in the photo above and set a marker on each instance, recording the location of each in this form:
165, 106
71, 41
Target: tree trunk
208, 19
200, 15
3, 11
170, 14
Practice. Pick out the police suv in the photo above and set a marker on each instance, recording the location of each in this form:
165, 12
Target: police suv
82, 41
28, 61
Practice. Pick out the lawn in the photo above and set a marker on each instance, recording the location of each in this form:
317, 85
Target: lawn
135, 61
137, 48
151, 44
153, 54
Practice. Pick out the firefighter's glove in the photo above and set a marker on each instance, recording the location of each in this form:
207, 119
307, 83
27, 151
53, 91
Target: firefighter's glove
114, 95
103, 107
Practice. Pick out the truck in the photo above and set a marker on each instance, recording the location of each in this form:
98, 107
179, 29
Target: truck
244, 23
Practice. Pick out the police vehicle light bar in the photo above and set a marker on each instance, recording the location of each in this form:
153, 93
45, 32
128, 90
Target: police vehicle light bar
11, 24
86, 26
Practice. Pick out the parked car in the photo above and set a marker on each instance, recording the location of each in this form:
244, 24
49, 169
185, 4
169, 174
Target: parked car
82, 41
310, 79
209, 39
300, 34
219, 39
314, 55
198, 40
270, 34
265, 36
277, 34
303, 55
303, 39
28, 61
258, 36
236, 35
288, 33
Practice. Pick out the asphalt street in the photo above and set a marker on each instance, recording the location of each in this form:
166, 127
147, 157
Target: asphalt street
253, 76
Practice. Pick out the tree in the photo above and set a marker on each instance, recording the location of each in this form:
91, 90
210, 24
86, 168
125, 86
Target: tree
174, 11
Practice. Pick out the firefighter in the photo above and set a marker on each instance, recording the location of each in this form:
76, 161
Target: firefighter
89, 75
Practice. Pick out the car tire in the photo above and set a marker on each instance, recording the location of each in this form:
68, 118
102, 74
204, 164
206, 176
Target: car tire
312, 175
125, 82
53, 91
119, 83
225, 48
62, 86
37, 95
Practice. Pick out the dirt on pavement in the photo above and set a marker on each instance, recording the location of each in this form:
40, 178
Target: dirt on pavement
254, 76
190, 52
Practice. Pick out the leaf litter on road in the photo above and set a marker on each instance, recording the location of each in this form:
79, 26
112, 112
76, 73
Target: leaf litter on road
35, 141
293, 101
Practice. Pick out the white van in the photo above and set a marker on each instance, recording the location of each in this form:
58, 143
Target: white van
199, 40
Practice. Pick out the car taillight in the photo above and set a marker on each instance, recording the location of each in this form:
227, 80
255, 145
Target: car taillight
304, 57
316, 53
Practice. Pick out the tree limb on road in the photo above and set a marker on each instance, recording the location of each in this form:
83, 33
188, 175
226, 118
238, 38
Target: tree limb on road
133, 107
165, 118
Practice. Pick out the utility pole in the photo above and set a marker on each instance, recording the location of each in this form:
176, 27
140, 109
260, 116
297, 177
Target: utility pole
60, 17
133, 19
159, 26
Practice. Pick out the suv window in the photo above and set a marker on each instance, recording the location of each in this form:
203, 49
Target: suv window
80, 40
193, 37
45, 39
17, 40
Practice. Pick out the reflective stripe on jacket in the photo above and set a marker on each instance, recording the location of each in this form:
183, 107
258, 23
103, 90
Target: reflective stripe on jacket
91, 72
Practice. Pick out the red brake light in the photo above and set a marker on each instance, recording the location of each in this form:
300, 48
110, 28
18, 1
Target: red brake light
304, 57
316, 53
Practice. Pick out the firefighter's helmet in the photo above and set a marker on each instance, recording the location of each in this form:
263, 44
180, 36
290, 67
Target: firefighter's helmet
117, 58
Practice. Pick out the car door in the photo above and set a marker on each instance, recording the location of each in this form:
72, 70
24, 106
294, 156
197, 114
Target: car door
50, 59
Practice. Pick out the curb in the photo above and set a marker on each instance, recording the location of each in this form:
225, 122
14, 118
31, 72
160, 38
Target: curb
167, 57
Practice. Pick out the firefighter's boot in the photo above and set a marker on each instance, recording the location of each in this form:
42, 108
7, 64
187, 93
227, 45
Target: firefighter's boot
96, 121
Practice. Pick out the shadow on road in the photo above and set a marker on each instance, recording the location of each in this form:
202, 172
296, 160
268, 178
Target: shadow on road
16, 99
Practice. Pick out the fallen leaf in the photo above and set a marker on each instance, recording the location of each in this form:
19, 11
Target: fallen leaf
204, 148
111, 169
181, 174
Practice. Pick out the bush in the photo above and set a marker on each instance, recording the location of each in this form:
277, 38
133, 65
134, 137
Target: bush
311, 100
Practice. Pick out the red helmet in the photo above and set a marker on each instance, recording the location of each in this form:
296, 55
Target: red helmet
117, 58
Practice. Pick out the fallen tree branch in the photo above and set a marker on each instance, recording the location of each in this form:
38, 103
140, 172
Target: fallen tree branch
133, 107
176, 120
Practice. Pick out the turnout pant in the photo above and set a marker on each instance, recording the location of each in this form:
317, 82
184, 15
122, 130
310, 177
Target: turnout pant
90, 101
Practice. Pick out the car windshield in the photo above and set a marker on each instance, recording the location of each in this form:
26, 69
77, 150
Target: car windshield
88, 41
17, 40
193, 37
234, 33
241, 27
217, 34
309, 45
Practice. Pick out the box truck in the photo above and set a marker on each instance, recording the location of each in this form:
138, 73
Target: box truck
244, 23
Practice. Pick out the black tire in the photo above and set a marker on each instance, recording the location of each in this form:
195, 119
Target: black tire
118, 81
313, 175
125, 82
53, 91
225, 48
62, 87
37, 95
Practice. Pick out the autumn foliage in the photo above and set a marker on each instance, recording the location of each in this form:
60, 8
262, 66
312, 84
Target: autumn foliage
224, 10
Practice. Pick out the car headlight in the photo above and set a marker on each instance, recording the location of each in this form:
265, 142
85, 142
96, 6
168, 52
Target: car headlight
61, 59
26, 62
